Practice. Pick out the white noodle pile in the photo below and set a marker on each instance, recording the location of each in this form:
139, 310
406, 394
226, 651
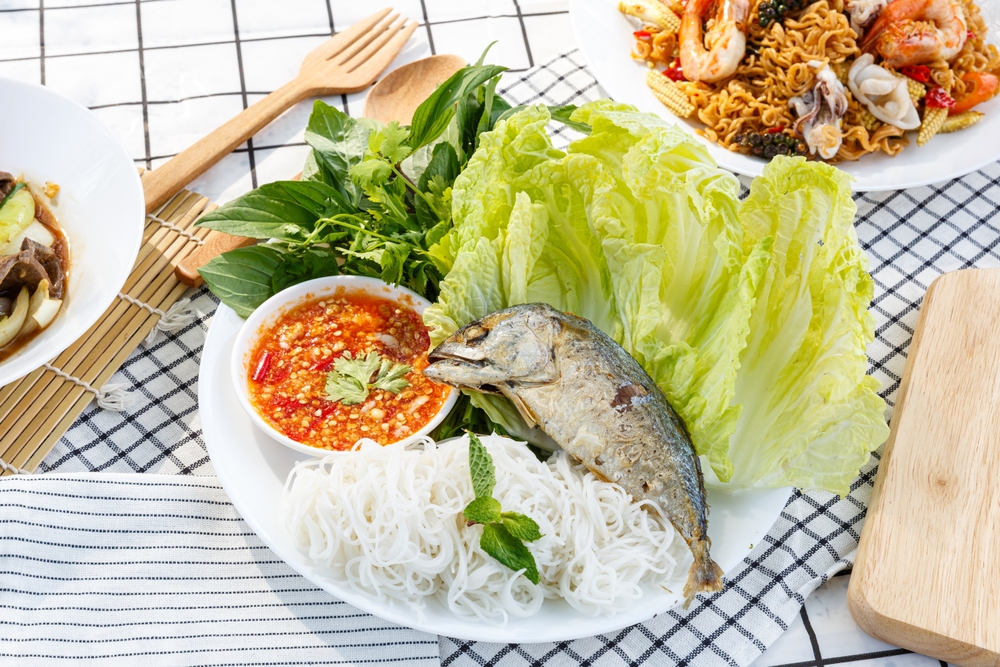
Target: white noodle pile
388, 520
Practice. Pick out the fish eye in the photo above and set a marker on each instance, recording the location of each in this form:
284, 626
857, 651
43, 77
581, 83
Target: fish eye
475, 333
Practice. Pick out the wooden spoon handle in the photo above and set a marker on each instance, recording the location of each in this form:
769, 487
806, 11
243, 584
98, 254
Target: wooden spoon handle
215, 244
164, 182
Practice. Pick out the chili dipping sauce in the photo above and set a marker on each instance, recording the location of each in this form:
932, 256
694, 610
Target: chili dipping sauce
291, 360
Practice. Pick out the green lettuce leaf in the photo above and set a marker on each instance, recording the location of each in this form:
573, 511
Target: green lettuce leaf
810, 415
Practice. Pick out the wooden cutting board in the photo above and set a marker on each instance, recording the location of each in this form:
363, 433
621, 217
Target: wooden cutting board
927, 573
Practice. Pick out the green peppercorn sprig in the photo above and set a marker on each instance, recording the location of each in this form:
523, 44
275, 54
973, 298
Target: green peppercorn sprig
769, 144
774, 11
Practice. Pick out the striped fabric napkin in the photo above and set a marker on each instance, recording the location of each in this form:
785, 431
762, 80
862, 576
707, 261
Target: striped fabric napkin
118, 569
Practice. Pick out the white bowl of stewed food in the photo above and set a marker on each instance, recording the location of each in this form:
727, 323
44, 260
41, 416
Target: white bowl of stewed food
71, 221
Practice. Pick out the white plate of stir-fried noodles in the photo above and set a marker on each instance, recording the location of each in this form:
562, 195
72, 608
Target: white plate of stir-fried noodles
798, 85
384, 484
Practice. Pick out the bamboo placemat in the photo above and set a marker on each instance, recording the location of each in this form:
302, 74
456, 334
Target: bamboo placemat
38, 409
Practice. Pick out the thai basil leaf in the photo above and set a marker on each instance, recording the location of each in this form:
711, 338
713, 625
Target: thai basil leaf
285, 210
241, 278
441, 171
299, 267
339, 142
314, 170
432, 117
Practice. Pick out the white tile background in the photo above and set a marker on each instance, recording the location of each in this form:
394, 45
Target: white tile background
163, 73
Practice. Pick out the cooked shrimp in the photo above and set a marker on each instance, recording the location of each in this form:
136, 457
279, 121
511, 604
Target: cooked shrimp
910, 32
726, 39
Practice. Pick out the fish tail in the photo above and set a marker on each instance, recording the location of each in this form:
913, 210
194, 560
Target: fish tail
705, 576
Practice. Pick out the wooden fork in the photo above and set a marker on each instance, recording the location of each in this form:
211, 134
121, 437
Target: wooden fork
348, 62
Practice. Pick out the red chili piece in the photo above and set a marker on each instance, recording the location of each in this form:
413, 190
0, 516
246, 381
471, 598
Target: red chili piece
263, 366
641, 34
674, 72
937, 98
775, 130
921, 73
970, 35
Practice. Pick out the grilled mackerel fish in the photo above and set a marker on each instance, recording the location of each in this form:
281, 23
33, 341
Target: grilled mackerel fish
586, 392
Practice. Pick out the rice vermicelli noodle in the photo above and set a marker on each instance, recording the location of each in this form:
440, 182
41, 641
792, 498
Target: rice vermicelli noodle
388, 521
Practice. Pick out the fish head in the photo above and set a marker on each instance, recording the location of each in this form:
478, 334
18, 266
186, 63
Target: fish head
511, 346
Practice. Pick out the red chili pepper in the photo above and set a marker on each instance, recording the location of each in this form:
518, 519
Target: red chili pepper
263, 366
775, 130
979, 87
921, 73
641, 34
937, 98
326, 364
970, 35
674, 72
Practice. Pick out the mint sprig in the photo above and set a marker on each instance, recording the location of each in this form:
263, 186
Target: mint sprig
504, 533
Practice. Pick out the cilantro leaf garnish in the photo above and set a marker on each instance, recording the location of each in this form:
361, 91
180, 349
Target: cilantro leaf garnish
504, 533
351, 380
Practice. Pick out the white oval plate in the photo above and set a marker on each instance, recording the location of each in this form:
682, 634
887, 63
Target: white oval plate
605, 37
252, 469
101, 206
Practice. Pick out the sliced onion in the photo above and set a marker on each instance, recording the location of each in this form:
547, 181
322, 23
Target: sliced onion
41, 310
11, 326
36, 231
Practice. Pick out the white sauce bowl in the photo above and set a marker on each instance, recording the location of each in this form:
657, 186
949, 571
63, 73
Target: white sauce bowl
267, 315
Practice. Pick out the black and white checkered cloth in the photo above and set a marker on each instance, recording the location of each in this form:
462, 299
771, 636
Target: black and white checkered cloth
911, 237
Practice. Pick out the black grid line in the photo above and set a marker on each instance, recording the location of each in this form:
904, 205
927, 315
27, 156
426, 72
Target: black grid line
41, 40
243, 91
524, 33
142, 84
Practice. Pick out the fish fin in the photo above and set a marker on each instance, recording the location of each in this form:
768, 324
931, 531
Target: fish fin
522, 408
705, 576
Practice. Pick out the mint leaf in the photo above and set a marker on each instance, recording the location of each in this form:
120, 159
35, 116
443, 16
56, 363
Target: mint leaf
520, 526
484, 476
242, 278
483, 510
508, 550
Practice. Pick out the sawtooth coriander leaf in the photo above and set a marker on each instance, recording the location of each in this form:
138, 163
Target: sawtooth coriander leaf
350, 381
504, 533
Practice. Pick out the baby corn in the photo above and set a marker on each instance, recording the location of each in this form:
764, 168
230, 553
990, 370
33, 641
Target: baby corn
869, 120
916, 90
669, 94
960, 121
652, 11
933, 121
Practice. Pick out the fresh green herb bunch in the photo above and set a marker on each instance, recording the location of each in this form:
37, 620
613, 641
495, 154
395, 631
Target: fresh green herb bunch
774, 11
373, 201
769, 144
